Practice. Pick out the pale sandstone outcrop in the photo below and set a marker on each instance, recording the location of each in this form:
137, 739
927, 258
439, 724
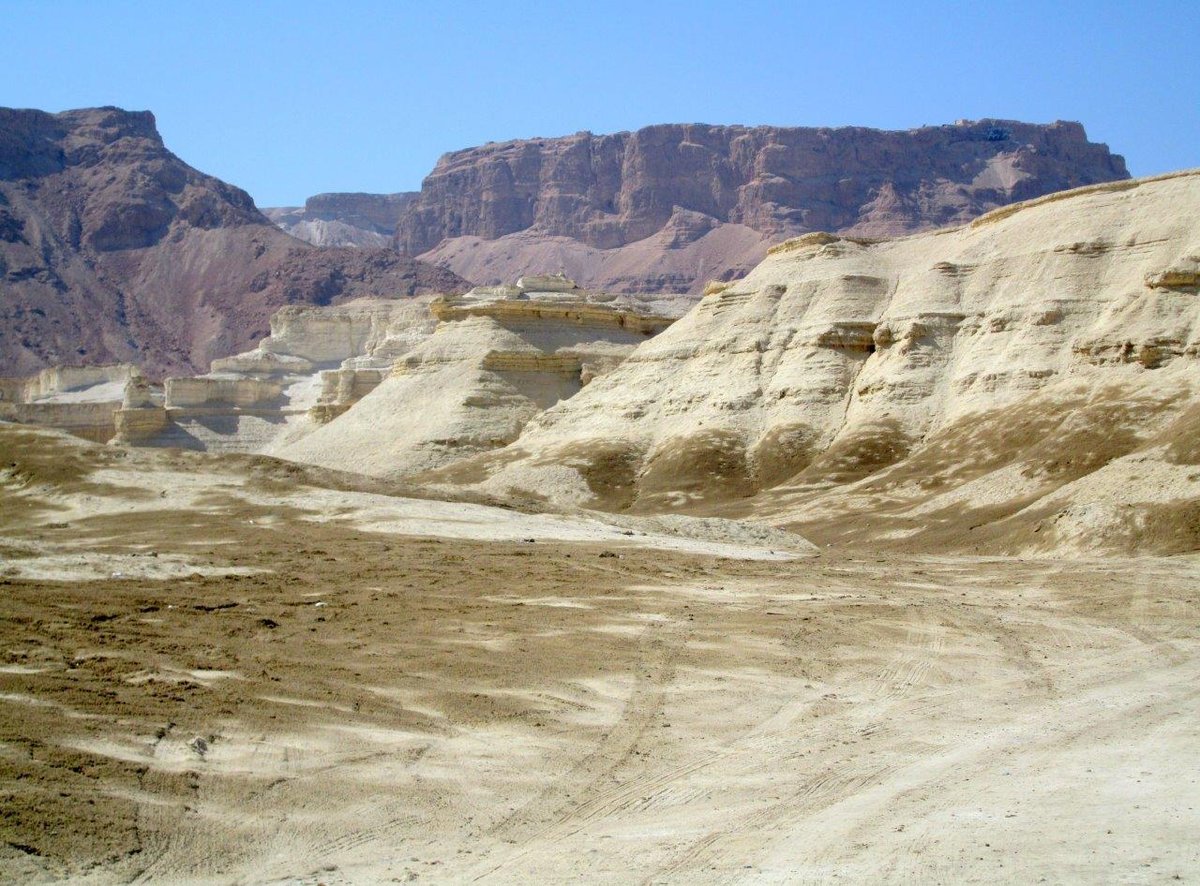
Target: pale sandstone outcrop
220, 393
133, 425
498, 357
79, 383
320, 362
839, 359
92, 421
294, 379
341, 389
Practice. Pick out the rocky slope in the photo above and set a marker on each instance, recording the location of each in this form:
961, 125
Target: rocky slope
669, 207
1025, 383
112, 249
343, 219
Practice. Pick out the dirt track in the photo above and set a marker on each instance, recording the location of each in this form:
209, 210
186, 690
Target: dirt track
370, 706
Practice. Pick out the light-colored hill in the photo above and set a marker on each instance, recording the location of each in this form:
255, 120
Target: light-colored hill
497, 359
1023, 383
320, 232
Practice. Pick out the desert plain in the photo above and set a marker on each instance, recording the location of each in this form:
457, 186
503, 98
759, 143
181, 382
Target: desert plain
238, 670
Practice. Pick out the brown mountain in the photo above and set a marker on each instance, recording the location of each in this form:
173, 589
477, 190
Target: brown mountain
114, 249
668, 207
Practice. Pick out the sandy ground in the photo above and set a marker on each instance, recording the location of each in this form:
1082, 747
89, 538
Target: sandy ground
308, 692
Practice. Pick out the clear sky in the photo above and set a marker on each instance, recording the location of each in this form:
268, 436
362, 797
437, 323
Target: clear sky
288, 99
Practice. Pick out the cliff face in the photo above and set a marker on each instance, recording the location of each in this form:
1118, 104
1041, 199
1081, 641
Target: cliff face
625, 201
112, 249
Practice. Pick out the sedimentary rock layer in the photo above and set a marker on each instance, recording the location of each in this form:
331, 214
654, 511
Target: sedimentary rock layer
78, 399
315, 364
497, 358
1034, 370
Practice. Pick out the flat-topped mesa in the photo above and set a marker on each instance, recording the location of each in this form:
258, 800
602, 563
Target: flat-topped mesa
668, 207
557, 298
499, 356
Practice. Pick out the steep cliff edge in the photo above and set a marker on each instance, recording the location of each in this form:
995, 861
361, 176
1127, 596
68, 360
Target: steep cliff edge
1026, 382
668, 207
112, 249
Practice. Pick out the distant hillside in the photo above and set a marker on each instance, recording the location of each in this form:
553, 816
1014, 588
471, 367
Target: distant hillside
344, 219
114, 249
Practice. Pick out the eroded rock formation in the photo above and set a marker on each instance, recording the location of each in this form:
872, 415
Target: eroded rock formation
78, 399
1025, 382
283, 388
437, 362
498, 357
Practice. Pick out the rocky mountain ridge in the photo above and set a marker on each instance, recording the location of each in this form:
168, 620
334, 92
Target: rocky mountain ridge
112, 249
669, 207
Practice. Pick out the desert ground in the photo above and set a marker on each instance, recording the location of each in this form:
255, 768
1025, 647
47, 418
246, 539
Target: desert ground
233, 670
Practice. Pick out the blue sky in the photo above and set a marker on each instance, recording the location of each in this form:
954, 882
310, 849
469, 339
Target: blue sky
291, 99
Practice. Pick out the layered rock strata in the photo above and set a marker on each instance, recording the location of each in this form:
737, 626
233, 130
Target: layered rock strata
498, 357
250, 401
536, 342
1029, 375
79, 399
